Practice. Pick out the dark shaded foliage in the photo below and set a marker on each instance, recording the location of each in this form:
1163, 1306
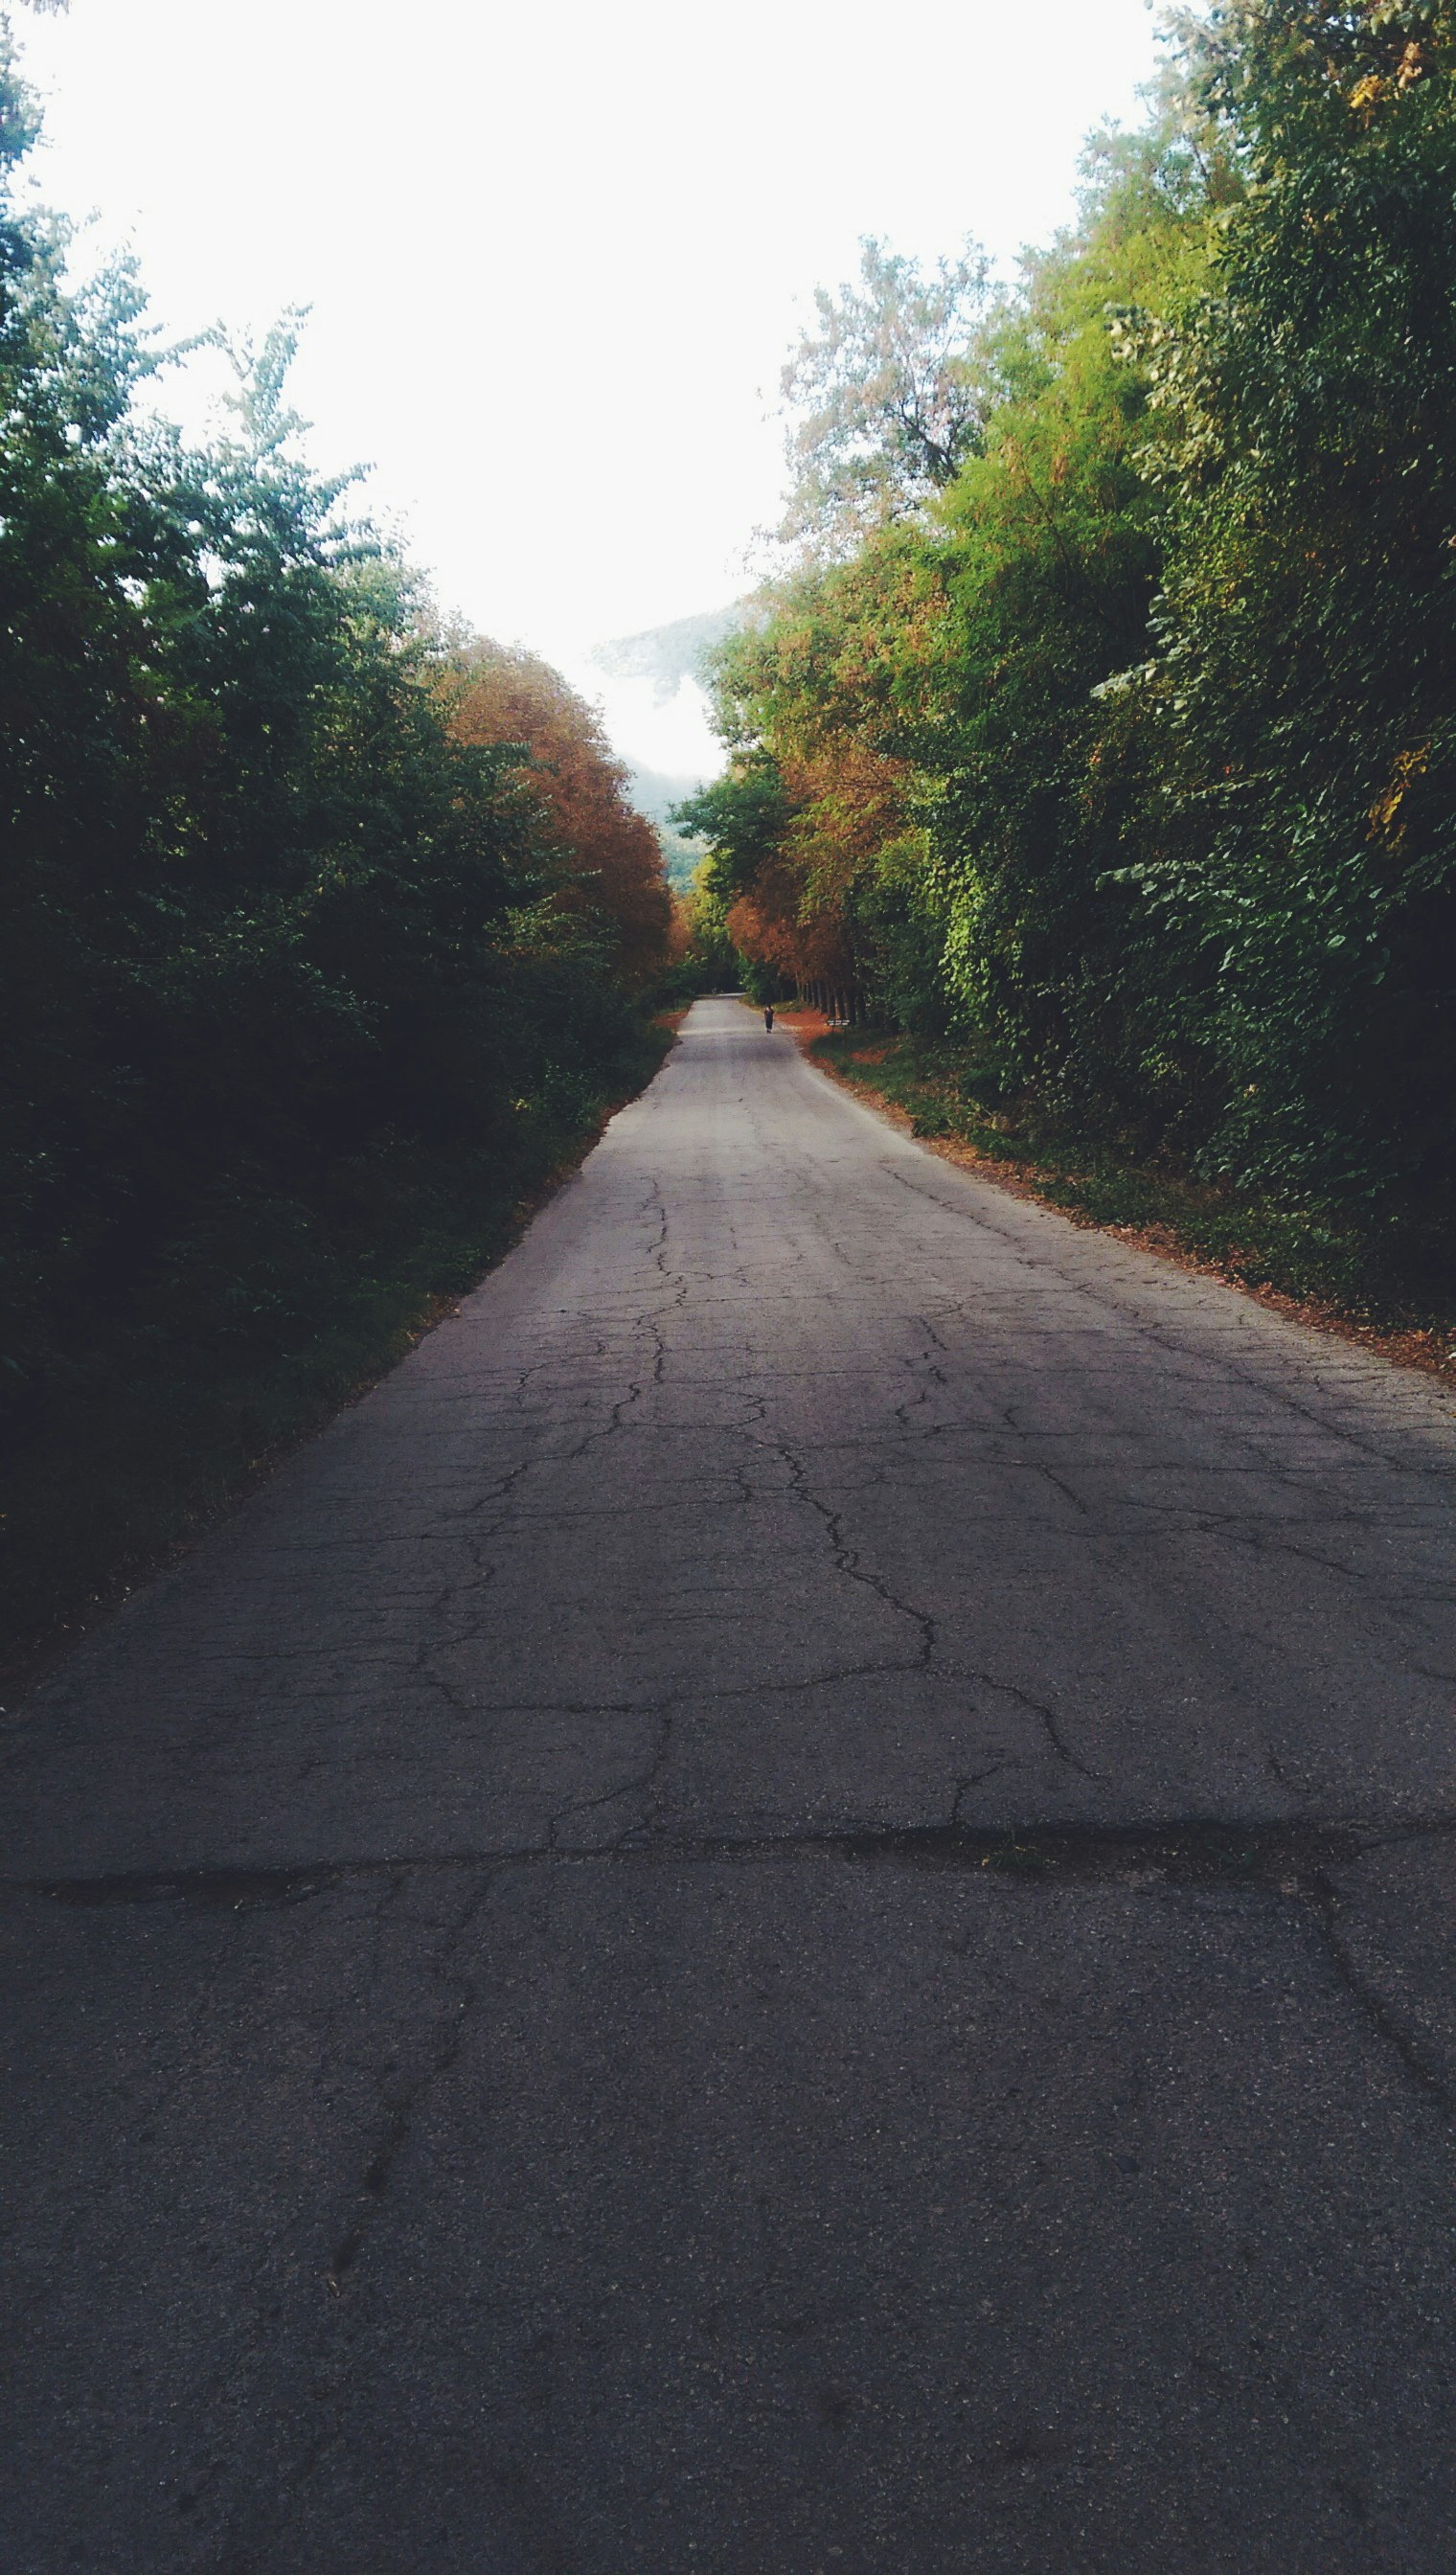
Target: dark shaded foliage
273, 934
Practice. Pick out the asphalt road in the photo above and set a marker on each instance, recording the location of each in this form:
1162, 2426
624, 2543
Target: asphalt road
788, 1911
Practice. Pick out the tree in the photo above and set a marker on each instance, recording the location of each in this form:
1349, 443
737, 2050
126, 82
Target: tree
291, 965
613, 855
1123, 739
929, 701
888, 392
1307, 631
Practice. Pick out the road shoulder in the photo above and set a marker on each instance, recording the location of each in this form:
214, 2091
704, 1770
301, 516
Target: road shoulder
1174, 1234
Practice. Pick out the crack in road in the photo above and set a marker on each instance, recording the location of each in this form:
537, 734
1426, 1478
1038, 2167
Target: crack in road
847, 1559
656, 1744
1294, 1863
404, 2101
1287, 1857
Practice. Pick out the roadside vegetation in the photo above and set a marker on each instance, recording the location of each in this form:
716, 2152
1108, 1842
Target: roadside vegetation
1096, 737
326, 935
1309, 1264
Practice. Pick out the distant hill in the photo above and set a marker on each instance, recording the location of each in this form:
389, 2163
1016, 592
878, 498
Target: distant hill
655, 794
669, 654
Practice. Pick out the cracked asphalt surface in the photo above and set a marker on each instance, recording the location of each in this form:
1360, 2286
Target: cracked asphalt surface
786, 1911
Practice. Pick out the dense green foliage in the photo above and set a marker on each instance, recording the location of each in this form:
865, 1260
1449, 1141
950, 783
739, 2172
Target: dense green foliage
1126, 760
293, 956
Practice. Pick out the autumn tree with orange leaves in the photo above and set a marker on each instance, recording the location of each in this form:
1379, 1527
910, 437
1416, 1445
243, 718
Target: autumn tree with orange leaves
614, 859
817, 847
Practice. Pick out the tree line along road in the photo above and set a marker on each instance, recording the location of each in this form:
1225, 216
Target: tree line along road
787, 1909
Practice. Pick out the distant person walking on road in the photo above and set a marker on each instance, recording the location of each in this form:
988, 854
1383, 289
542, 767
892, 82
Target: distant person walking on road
769, 1019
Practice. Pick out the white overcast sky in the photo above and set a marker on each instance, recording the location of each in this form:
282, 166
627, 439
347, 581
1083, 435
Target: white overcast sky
556, 256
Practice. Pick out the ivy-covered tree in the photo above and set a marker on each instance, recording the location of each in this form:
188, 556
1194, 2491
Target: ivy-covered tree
1301, 695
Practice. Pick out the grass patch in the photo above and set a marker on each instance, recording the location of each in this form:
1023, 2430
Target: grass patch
1312, 1260
240, 1341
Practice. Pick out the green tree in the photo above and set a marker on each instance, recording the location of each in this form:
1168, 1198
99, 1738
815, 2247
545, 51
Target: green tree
1144, 711
292, 974
1301, 696
887, 392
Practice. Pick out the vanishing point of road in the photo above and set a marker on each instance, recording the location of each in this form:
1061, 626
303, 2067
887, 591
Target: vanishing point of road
786, 1911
